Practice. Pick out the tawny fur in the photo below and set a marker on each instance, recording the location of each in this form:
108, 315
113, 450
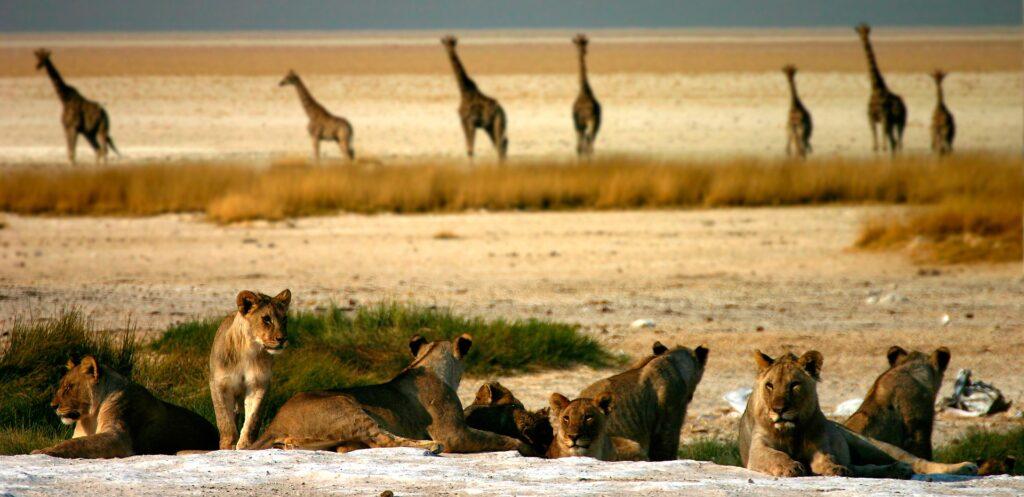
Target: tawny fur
798, 124
943, 127
323, 126
496, 409
586, 111
885, 108
115, 417
650, 398
900, 406
784, 433
80, 115
580, 426
240, 363
476, 110
417, 408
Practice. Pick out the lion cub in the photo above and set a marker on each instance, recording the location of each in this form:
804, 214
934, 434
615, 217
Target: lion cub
115, 417
240, 362
497, 410
900, 406
579, 430
784, 433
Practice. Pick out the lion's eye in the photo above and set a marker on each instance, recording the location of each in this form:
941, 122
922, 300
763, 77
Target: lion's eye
768, 386
588, 418
794, 387
565, 419
266, 320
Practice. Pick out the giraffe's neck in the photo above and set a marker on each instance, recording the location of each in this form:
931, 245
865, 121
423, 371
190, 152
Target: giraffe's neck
584, 83
309, 104
62, 88
466, 85
877, 82
793, 97
938, 92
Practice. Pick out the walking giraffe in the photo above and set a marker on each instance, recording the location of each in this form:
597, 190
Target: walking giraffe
943, 126
586, 111
323, 126
80, 115
884, 107
799, 125
476, 110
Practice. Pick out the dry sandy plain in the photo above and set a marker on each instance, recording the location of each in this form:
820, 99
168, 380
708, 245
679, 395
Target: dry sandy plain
734, 279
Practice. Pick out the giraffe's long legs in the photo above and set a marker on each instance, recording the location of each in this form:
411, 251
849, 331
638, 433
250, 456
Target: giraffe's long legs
71, 135
316, 150
470, 131
874, 134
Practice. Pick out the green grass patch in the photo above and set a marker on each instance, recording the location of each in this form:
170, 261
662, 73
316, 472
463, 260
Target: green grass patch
976, 444
718, 451
329, 349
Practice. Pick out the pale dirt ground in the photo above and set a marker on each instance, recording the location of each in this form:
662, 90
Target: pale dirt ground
708, 277
663, 93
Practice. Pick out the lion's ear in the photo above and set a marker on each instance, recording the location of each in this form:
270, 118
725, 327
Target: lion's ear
415, 343
462, 345
489, 393
811, 362
658, 348
940, 359
604, 402
764, 361
90, 367
245, 301
70, 364
894, 354
557, 402
283, 299
701, 353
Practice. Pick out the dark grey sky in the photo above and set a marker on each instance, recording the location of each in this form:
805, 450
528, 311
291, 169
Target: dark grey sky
216, 15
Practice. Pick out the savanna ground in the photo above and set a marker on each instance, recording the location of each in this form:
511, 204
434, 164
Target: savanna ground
734, 278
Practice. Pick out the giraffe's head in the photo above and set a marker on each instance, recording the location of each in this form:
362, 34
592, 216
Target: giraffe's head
289, 79
449, 41
42, 56
863, 30
580, 40
938, 75
789, 70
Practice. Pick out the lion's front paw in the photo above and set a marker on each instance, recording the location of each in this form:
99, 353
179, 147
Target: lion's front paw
788, 469
835, 470
902, 471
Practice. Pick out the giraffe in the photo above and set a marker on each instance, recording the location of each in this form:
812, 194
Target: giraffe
80, 115
477, 110
884, 107
323, 126
943, 126
586, 111
799, 125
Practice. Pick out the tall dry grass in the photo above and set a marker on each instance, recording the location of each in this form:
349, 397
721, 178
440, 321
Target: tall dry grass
231, 192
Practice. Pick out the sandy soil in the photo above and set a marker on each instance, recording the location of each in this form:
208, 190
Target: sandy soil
407, 472
663, 93
713, 277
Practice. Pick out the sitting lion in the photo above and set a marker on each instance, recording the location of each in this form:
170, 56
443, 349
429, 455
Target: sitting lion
115, 417
495, 409
580, 430
651, 398
784, 433
900, 407
417, 408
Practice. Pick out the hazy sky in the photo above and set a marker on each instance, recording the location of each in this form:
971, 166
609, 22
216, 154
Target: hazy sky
161, 15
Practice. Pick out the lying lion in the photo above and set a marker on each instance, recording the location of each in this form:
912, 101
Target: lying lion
784, 433
495, 409
417, 408
651, 398
581, 430
115, 417
900, 406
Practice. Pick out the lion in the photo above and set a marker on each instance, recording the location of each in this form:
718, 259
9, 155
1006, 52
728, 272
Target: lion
417, 408
241, 360
115, 417
580, 429
900, 406
495, 409
784, 433
651, 398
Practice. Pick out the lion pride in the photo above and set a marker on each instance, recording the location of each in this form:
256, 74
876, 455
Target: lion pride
784, 433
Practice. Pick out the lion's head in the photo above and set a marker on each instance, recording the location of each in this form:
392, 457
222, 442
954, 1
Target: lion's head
786, 394
578, 424
267, 318
77, 394
495, 409
929, 368
443, 357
